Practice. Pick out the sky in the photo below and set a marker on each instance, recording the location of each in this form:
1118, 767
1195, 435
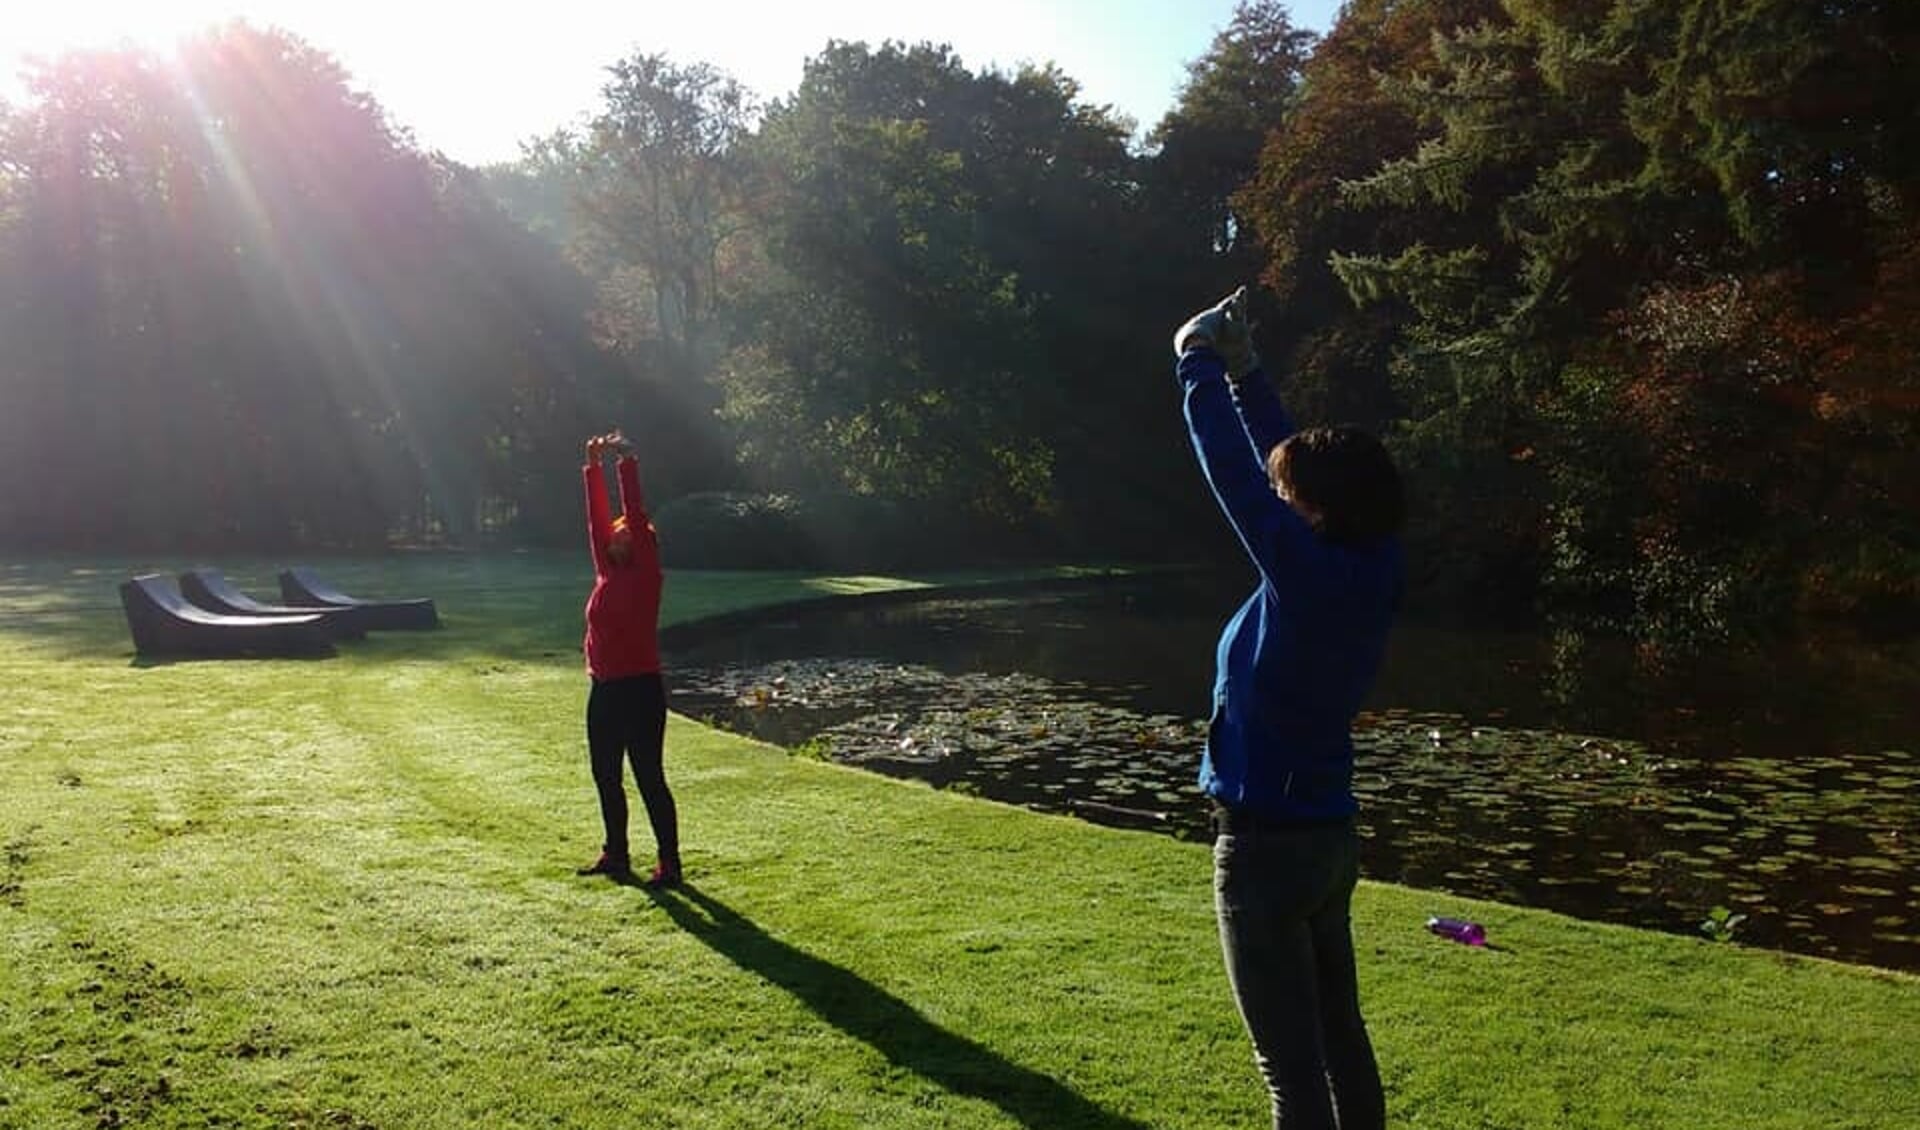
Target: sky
474, 80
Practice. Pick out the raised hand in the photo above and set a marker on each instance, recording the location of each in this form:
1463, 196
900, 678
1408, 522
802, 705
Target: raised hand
600, 446
1224, 327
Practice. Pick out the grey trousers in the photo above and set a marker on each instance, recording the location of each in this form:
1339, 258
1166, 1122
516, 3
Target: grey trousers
1282, 894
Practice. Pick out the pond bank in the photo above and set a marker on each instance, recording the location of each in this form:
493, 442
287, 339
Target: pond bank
1663, 806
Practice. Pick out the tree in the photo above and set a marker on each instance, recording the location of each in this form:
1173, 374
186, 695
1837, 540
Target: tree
243, 312
660, 191
1209, 144
1603, 194
153, 202
1352, 115
923, 280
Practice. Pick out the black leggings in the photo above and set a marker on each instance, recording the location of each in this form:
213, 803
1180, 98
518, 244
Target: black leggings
627, 718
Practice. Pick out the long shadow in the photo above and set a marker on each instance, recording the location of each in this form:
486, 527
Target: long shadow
887, 1023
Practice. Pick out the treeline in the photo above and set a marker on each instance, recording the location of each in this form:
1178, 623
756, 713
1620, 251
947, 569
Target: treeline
1631, 287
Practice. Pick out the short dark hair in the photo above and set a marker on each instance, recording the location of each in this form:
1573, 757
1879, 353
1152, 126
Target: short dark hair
1344, 481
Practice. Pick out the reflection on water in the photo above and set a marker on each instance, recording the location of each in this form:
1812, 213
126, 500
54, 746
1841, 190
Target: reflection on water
1563, 772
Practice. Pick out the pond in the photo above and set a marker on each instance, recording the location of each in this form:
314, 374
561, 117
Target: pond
1569, 772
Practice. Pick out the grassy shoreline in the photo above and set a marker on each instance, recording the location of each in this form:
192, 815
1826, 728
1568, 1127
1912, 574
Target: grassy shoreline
338, 893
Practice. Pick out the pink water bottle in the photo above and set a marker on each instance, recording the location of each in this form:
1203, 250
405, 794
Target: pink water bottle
1458, 930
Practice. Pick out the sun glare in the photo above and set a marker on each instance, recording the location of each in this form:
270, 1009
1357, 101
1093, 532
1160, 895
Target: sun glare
48, 27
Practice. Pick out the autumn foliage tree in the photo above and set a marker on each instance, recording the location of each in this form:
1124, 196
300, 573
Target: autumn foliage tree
1636, 268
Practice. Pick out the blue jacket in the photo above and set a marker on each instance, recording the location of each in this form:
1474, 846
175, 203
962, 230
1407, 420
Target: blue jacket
1297, 660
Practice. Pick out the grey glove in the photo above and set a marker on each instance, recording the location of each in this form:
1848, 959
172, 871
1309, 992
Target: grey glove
1224, 328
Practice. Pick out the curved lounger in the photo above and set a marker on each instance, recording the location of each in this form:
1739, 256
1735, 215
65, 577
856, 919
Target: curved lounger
163, 623
301, 588
210, 589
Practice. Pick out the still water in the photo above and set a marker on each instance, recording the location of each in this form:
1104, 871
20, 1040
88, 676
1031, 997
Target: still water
1570, 772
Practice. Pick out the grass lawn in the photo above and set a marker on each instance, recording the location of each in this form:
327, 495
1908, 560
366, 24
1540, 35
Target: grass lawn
339, 893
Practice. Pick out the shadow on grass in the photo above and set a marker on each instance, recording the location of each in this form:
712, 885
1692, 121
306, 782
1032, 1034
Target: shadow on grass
887, 1023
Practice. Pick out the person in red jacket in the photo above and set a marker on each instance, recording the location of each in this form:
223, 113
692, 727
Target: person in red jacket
627, 706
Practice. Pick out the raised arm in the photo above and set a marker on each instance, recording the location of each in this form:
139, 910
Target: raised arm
633, 504
599, 516
1233, 426
1266, 419
1269, 530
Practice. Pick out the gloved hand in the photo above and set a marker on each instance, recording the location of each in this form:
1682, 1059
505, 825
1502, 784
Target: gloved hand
1224, 328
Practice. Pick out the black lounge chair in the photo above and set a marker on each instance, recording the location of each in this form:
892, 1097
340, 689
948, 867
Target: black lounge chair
163, 623
210, 589
300, 588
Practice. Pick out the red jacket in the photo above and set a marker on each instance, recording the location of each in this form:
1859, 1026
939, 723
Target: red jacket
623, 612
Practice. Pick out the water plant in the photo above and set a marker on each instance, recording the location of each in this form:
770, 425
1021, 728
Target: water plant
1721, 923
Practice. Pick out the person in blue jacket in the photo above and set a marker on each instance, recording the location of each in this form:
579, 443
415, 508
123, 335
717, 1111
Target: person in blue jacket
1318, 513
